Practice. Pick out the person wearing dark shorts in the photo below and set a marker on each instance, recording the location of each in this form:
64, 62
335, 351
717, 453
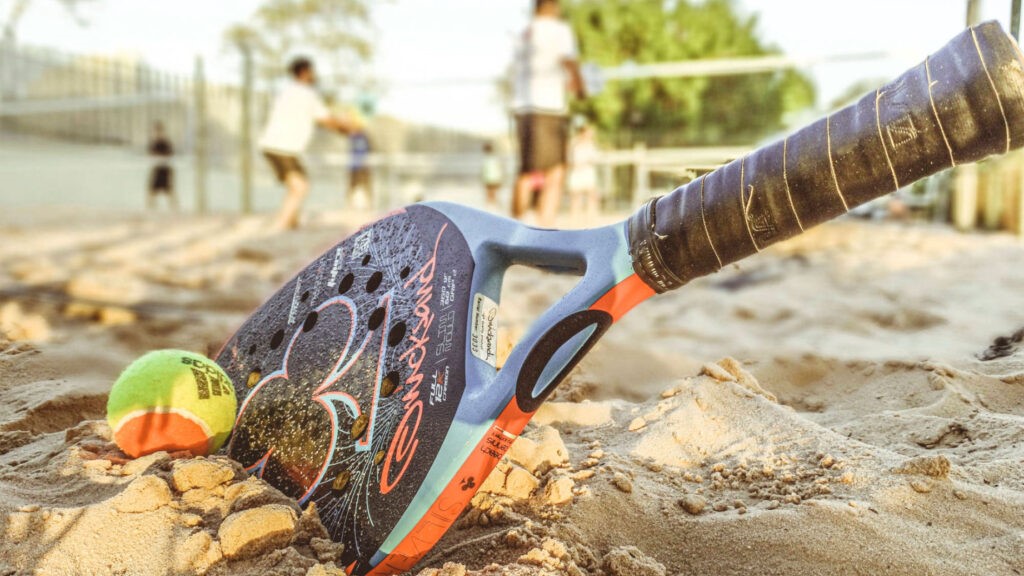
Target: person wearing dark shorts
296, 112
546, 67
543, 141
283, 165
161, 177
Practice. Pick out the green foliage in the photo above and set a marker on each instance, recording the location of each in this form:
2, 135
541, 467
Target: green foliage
336, 33
681, 111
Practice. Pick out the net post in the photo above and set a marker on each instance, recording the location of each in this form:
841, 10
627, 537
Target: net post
1015, 20
200, 127
965, 197
245, 144
641, 174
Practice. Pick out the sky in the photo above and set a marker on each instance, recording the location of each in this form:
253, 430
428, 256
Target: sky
422, 45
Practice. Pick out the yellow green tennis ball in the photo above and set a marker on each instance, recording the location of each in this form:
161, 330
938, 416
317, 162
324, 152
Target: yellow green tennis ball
171, 400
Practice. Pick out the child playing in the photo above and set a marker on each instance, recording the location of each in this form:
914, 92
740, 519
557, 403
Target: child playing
585, 201
492, 175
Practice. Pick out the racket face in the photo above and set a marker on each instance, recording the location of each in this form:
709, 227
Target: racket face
369, 384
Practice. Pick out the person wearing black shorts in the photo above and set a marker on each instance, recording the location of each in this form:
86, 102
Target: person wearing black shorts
161, 177
284, 164
546, 67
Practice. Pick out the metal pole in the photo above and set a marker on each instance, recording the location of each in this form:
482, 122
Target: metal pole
246, 135
964, 209
641, 174
6, 64
169, 110
6, 60
1017, 189
973, 12
109, 86
142, 116
124, 113
200, 136
1015, 19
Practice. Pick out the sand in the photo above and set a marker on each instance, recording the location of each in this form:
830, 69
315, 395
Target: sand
821, 408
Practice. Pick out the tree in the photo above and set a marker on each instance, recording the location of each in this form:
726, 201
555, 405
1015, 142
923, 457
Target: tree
17, 9
682, 111
335, 32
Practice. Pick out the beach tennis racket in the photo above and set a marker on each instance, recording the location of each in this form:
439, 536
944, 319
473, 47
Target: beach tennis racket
368, 383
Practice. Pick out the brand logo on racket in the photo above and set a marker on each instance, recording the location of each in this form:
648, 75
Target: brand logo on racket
405, 441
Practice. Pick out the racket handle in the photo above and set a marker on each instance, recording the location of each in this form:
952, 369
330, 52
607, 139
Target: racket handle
960, 105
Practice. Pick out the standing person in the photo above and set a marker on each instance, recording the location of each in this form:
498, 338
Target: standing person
491, 174
296, 111
584, 199
546, 68
161, 177
360, 188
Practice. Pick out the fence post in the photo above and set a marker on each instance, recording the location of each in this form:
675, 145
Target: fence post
106, 81
144, 111
964, 209
973, 12
992, 205
965, 197
641, 174
245, 150
389, 191
200, 128
6, 62
1015, 19
1016, 199
607, 186
122, 74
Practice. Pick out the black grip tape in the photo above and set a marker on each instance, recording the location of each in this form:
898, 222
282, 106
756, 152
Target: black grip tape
962, 104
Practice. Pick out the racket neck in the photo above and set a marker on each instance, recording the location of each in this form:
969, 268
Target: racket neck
649, 263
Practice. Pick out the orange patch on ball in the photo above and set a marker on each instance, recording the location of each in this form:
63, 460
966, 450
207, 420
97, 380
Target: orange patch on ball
154, 431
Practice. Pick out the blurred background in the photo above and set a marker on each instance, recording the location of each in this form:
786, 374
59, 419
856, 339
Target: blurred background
894, 332
82, 82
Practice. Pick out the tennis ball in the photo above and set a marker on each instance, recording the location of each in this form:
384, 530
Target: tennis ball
171, 400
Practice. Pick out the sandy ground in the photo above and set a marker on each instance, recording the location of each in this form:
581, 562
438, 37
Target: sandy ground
822, 408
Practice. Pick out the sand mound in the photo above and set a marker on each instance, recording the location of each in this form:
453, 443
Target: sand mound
843, 403
82, 508
717, 477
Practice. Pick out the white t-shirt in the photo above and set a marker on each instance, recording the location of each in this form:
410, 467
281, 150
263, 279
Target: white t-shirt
292, 119
540, 77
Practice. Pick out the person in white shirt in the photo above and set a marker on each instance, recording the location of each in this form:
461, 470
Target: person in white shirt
296, 112
546, 68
